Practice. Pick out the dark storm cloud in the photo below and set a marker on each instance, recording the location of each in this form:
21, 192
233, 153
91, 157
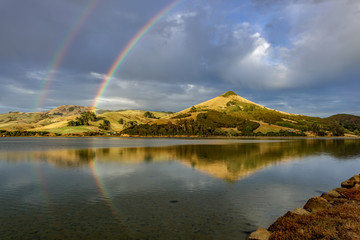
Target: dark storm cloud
277, 53
32, 33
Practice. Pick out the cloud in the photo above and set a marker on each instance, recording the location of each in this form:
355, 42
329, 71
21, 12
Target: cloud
117, 102
153, 95
269, 51
325, 49
98, 75
191, 50
19, 90
38, 75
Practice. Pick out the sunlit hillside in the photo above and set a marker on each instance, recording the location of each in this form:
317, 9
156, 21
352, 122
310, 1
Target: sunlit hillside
225, 115
56, 120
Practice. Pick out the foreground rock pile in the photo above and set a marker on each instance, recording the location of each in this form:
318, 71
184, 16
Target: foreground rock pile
333, 215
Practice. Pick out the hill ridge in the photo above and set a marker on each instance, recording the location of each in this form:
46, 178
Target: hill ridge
225, 115
222, 102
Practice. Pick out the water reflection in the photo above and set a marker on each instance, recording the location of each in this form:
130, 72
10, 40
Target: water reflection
172, 192
229, 162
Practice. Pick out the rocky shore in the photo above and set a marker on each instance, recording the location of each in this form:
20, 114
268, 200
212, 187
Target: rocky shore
333, 215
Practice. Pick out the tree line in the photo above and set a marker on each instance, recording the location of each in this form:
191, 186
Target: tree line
210, 123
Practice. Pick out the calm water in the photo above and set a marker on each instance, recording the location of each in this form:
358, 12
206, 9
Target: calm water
114, 188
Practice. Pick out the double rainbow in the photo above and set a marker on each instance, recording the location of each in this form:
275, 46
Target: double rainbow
62, 50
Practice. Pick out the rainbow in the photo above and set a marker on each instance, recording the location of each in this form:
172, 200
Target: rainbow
41, 183
61, 51
125, 52
101, 187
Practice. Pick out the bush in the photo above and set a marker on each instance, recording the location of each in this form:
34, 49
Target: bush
193, 109
184, 115
149, 115
105, 125
83, 119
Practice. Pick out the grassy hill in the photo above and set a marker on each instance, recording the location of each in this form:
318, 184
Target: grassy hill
40, 121
350, 122
232, 115
225, 115
56, 120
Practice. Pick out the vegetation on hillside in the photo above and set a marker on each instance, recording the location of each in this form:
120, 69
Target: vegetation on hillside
226, 115
229, 93
105, 125
149, 115
4, 133
211, 123
83, 120
347, 121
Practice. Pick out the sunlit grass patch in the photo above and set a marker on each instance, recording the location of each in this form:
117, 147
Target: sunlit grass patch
71, 129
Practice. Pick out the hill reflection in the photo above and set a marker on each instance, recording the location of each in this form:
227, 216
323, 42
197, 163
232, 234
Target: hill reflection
230, 162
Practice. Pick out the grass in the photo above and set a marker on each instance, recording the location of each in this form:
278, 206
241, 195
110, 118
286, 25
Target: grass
352, 193
66, 130
265, 128
342, 221
229, 93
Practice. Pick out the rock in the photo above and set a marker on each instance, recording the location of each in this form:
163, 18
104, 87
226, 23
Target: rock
300, 211
334, 194
356, 178
317, 204
327, 197
348, 183
351, 182
260, 234
339, 190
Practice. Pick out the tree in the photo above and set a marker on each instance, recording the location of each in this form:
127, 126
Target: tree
336, 129
316, 129
149, 115
105, 125
249, 129
193, 109
72, 123
121, 121
130, 124
84, 119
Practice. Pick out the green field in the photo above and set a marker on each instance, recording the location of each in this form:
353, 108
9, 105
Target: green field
66, 130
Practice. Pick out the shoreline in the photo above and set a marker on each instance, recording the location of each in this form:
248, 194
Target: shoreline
189, 137
333, 215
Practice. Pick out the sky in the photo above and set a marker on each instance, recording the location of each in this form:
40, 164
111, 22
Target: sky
297, 56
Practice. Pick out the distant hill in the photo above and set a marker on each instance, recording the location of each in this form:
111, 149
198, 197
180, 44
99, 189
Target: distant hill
67, 110
349, 122
56, 120
232, 115
37, 121
225, 115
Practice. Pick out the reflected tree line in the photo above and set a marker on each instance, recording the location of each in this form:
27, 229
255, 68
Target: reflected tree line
226, 161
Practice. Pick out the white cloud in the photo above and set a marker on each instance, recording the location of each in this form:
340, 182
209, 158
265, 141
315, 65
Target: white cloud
97, 75
116, 102
19, 90
257, 69
38, 75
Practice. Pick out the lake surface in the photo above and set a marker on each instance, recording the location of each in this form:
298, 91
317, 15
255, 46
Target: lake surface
129, 188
